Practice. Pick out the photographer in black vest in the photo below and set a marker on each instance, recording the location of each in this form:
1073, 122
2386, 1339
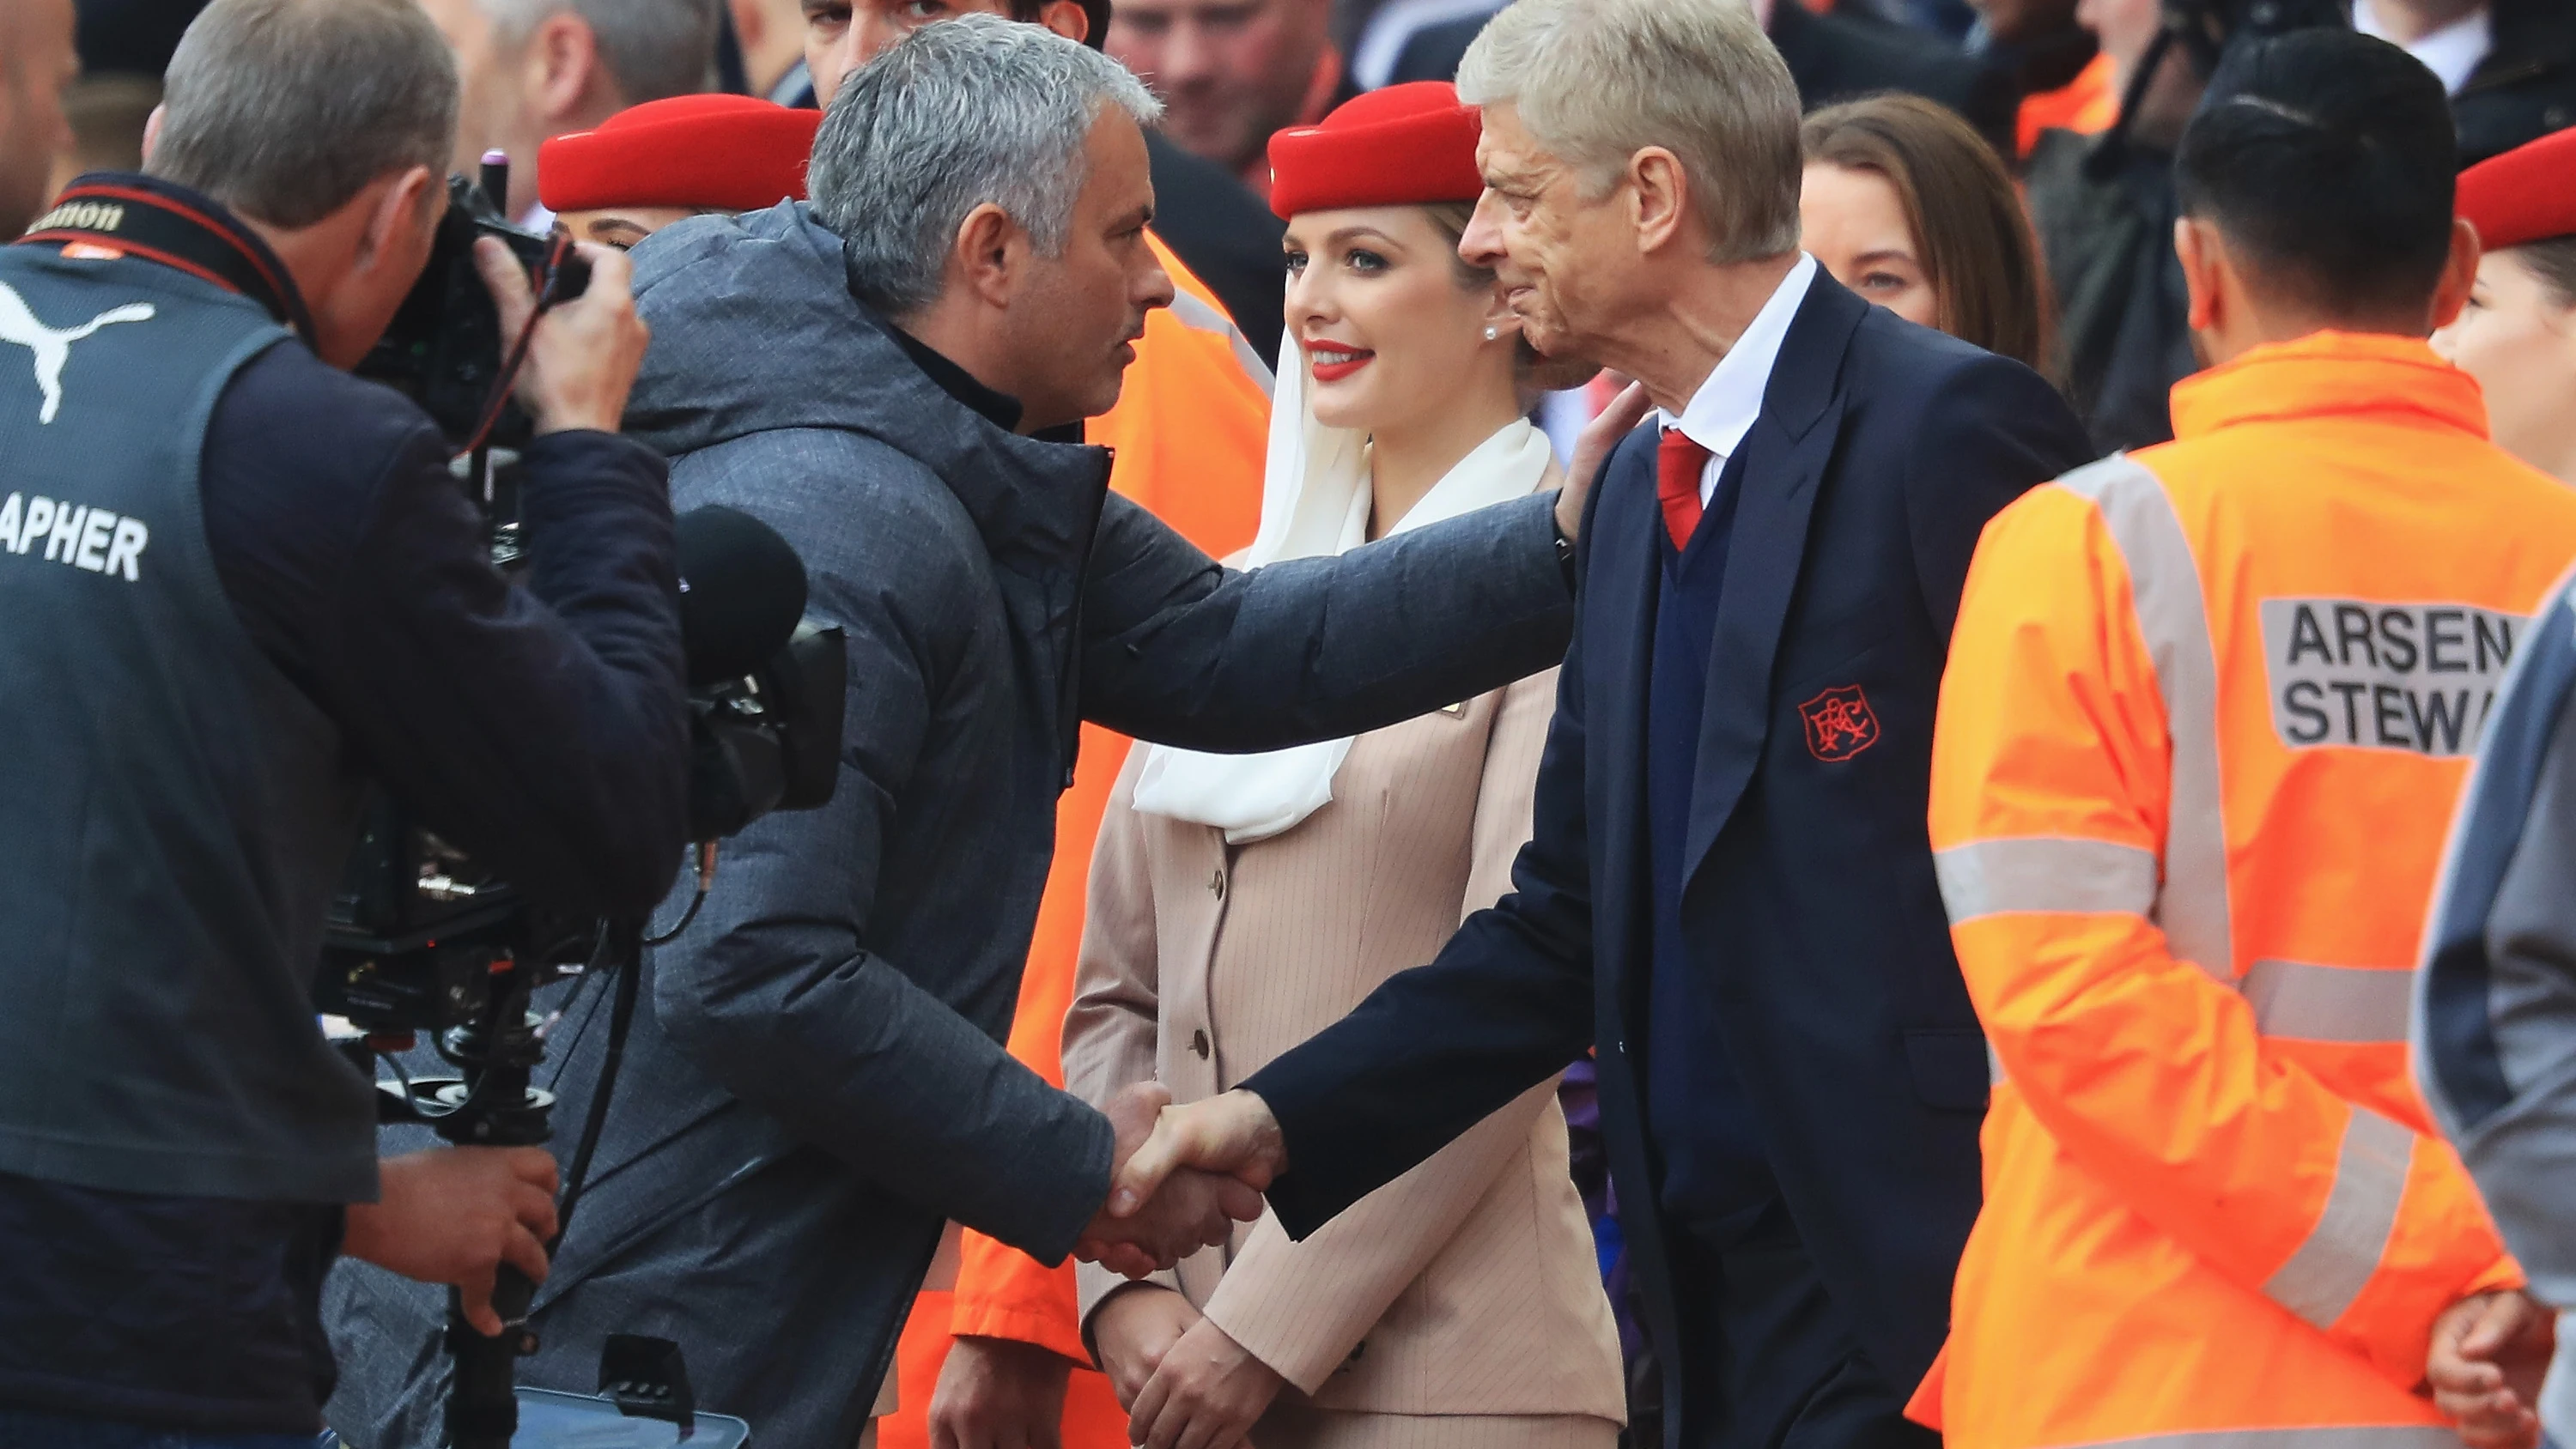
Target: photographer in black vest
238, 583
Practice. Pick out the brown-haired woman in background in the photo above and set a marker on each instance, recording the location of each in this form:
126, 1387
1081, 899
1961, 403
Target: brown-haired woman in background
1909, 207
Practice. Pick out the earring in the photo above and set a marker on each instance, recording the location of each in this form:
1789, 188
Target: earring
1493, 334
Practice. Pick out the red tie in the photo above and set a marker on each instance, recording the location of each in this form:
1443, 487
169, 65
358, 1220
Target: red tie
1678, 464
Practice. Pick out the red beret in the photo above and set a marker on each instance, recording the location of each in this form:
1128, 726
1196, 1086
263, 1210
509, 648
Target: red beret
2528, 194
714, 152
1405, 145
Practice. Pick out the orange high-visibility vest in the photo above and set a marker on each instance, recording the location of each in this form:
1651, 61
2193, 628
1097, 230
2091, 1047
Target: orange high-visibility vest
2086, 105
2206, 711
1191, 428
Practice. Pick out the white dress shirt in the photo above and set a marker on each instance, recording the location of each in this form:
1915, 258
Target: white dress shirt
2452, 52
1722, 411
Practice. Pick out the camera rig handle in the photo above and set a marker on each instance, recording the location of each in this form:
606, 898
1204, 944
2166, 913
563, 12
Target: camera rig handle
492, 1105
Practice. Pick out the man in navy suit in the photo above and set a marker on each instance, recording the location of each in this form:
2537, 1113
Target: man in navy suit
1730, 890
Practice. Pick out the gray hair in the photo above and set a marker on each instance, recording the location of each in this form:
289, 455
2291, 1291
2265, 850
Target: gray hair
968, 111
655, 49
285, 109
1596, 81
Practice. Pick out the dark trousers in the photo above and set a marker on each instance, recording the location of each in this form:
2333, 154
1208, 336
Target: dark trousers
1768, 1362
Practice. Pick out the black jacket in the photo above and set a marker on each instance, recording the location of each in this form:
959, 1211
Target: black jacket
1809, 900
2108, 243
1831, 57
2526, 87
541, 727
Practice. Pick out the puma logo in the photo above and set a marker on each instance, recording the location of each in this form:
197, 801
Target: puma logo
54, 348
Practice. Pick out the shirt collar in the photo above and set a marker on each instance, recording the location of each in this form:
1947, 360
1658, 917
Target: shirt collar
998, 408
1722, 411
2452, 52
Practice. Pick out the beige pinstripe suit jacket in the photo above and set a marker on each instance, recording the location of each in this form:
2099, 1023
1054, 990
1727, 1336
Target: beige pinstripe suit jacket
1467, 1286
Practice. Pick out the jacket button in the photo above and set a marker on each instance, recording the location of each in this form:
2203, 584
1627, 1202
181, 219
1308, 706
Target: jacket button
1216, 883
1199, 1044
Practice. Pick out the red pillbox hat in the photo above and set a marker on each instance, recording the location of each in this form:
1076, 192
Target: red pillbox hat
2528, 194
714, 152
1406, 145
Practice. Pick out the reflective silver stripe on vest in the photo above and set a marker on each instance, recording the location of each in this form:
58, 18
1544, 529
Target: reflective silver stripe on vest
2164, 581
2343, 1250
2044, 873
1198, 316
2330, 1436
2297, 1001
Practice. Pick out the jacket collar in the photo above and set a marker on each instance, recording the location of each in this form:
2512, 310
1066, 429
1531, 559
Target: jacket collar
1719, 415
1811, 354
2325, 374
1785, 456
1035, 502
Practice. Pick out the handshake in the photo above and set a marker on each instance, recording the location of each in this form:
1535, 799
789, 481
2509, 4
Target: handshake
1181, 1177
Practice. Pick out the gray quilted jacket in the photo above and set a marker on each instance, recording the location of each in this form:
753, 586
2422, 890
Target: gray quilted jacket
815, 1081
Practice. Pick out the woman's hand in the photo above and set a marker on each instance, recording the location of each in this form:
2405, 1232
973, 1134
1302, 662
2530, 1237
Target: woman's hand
1132, 1330
1207, 1394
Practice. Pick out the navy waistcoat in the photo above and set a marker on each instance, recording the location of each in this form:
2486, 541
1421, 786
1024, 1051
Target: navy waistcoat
1702, 1126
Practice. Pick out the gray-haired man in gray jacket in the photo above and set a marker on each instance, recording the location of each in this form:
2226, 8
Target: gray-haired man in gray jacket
815, 1081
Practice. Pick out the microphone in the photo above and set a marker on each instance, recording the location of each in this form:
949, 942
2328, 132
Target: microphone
742, 593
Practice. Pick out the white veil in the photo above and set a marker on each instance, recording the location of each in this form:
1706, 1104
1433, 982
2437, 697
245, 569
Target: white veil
1315, 502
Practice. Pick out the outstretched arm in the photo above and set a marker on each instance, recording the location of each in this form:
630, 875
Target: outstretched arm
1179, 650
780, 991
1507, 1004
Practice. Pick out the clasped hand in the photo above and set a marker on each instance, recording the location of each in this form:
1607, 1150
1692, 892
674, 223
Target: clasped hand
2489, 1353
1185, 1382
1181, 1178
1151, 1223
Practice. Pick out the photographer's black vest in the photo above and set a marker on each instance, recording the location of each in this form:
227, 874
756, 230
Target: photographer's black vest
175, 813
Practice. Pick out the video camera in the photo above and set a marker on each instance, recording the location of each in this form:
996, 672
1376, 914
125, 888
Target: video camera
416, 920
424, 939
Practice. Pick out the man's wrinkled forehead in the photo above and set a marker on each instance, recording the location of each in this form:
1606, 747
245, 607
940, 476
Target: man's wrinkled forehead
1510, 159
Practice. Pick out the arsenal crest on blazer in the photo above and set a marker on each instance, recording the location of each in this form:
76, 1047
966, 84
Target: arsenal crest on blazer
1839, 723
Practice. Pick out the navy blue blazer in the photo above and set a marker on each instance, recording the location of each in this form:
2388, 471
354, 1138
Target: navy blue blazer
1881, 450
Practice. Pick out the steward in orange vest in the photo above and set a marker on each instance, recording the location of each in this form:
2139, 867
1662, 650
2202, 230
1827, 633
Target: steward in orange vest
2207, 711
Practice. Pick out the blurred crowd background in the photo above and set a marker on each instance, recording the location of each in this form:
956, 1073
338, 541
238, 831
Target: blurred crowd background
2045, 81
2022, 199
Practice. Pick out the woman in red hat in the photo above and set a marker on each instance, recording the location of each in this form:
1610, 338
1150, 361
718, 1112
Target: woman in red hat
2517, 336
1241, 904
668, 160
